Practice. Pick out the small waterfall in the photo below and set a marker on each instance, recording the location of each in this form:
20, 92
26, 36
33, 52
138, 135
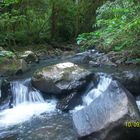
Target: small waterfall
27, 102
103, 84
93, 93
21, 94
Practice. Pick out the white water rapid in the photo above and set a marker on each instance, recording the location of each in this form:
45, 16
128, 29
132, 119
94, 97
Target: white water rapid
94, 93
103, 84
26, 104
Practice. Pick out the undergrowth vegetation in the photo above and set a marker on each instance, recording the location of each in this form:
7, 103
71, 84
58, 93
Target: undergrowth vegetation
117, 28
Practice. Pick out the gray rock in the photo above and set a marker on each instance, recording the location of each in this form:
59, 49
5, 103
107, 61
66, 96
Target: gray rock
23, 67
10, 65
92, 58
94, 64
105, 118
130, 80
29, 57
6, 94
61, 78
69, 102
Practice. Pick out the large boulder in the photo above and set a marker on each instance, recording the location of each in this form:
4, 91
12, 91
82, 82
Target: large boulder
130, 80
106, 117
61, 78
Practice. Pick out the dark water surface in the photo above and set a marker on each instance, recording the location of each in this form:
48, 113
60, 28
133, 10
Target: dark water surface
56, 126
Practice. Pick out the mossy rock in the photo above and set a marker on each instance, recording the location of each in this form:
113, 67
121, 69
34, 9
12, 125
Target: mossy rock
11, 66
7, 54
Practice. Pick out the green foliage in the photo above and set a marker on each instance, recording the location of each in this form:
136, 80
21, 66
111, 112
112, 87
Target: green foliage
117, 27
22, 23
62, 19
39, 21
7, 54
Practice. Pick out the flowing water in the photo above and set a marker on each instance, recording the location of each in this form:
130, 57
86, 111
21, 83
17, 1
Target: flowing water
33, 118
92, 93
103, 84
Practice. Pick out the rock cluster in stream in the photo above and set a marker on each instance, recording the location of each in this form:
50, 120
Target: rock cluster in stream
105, 117
92, 58
66, 80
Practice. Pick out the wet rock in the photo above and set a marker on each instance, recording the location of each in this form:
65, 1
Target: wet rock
69, 102
130, 80
61, 78
82, 58
106, 116
74, 99
93, 58
6, 94
94, 64
29, 57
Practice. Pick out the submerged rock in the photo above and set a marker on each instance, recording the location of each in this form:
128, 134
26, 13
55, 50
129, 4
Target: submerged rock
106, 117
62, 78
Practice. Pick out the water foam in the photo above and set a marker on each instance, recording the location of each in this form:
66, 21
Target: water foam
26, 104
24, 112
94, 93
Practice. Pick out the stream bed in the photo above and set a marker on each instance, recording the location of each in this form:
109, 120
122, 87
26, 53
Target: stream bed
33, 118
